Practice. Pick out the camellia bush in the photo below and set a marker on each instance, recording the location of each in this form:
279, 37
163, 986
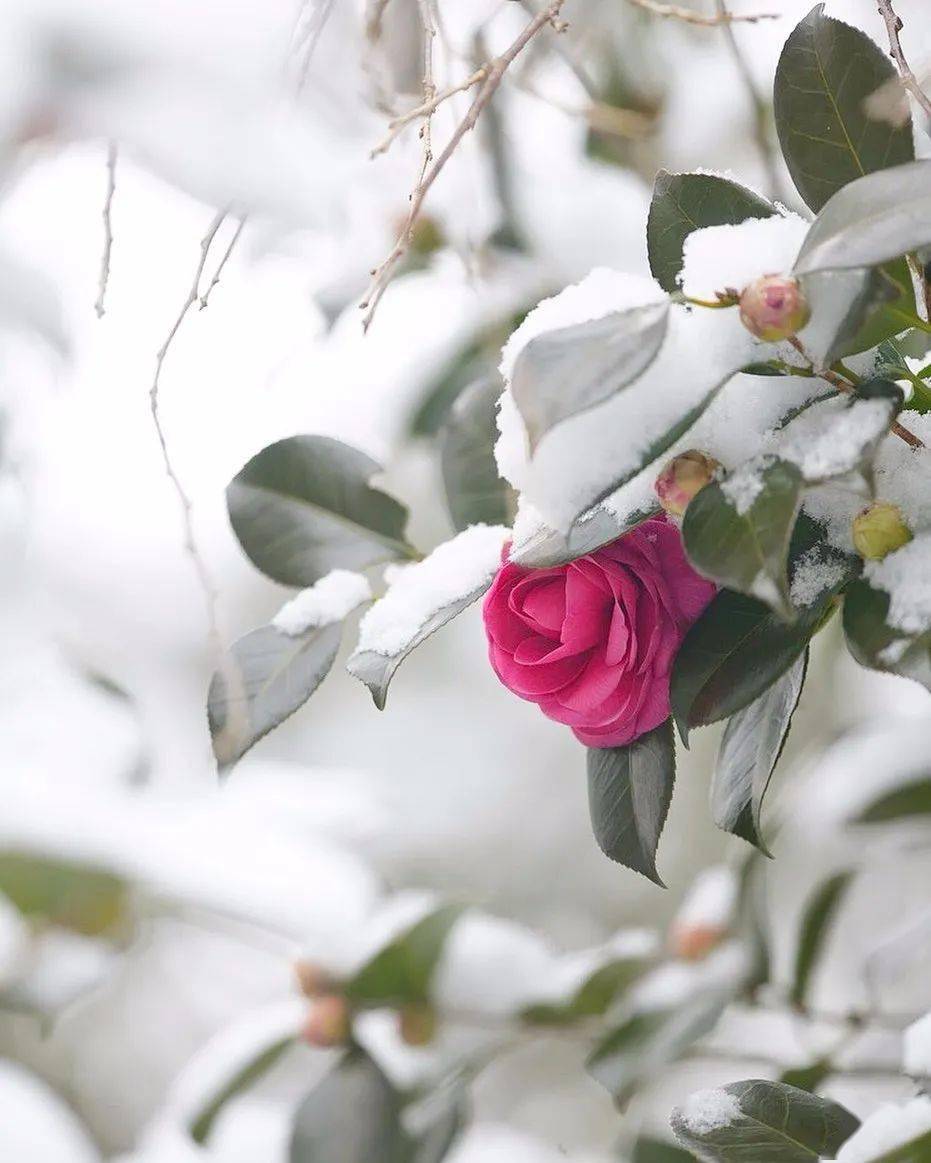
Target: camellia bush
672, 483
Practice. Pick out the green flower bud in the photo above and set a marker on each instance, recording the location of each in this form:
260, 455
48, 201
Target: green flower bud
683, 477
774, 307
879, 530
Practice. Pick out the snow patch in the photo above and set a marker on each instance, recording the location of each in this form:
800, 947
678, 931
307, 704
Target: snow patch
327, 601
917, 1055
815, 574
906, 577
710, 1110
454, 570
829, 439
744, 485
718, 257
711, 900
891, 1126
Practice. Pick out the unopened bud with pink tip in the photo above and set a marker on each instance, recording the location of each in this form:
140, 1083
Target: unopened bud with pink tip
879, 530
774, 307
328, 1023
683, 477
313, 980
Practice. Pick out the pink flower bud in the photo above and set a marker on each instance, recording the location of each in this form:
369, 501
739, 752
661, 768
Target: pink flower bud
879, 530
328, 1023
313, 980
683, 477
774, 307
695, 942
417, 1024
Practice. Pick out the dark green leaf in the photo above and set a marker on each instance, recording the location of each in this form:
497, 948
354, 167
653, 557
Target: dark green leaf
564, 372
444, 1127
876, 644
277, 674
768, 1122
475, 493
750, 749
686, 202
826, 72
353, 1116
872, 221
71, 895
629, 792
403, 970
303, 507
245, 1077
809, 1077
737, 532
738, 648
904, 803
817, 921
645, 1043
658, 1151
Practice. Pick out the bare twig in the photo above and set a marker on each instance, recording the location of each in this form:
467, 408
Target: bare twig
226, 665
107, 230
428, 20
307, 37
761, 127
223, 261
398, 124
688, 16
381, 277
909, 80
847, 388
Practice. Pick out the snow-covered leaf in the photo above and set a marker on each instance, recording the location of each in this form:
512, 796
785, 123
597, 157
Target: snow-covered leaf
599, 526
750, 749
761, 1120
893, 1133
871, 221
737, 532
403, 970
76, 896
815, 929
686, 202
629, 792
564, 372
475, 492
303, 507
825, 74
420, 599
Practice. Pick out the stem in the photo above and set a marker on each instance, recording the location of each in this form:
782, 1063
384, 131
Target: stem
893, 27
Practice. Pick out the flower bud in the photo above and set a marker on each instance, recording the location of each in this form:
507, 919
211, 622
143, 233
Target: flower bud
774, 307
695, 942
328, 1023
417, 1024
879, 529
683, 477
313, 980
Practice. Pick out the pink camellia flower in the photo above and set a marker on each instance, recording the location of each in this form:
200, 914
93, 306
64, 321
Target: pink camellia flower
593, 642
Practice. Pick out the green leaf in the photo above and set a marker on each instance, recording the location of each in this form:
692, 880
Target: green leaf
403, 970
826, 72
599, 526
593, 997
907, 802
737, 532
658, 1151
876, 644
353, 1116
817, 921
475, 493
917, 1150
244, 1078
766, 1122
629, 792
750, 749
436, 1140
686, 202
809, 1077
738, 647
646, 1042
564, 372
303, 507
68, 894
277, 674
872, 221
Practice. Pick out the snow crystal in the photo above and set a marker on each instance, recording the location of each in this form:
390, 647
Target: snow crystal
891, 1126
328, 601
829, 439
744, 485
815, 573
906, 576
917, 1055
717, 257
710, 1110
600, 293
711, 900
452, 571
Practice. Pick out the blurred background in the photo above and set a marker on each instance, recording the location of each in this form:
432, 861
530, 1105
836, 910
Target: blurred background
113, 1003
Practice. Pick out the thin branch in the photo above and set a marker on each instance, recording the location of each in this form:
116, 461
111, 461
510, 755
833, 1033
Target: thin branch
308, 38
107, 230
223, 261
428, 20
398, 124
381, 277
762, 134
909, 80
847, 388
688, 16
